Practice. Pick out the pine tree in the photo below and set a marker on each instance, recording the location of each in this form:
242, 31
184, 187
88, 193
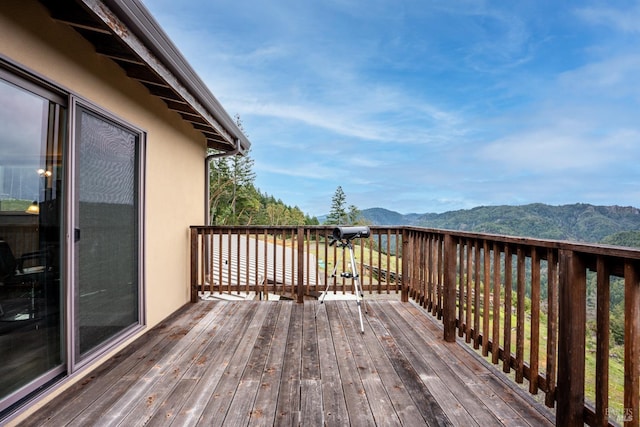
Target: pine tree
234, 199
338, 213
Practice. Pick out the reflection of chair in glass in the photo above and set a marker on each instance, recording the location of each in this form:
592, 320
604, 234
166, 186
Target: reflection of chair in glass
19, 278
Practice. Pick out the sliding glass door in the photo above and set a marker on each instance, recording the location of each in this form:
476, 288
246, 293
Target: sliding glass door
33, 123
107, 287
70, 234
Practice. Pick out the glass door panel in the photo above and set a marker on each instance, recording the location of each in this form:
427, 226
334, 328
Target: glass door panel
106, 293
31, 176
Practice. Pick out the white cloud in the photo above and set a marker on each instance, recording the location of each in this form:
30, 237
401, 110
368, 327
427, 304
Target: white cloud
610, 77
441, 105
624, 20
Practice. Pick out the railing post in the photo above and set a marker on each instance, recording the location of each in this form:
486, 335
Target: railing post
631, 344
449, 291
571, 339
300, 262
404, 281
194, 265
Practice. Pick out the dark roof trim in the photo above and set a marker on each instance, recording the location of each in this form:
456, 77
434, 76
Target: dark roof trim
147, 54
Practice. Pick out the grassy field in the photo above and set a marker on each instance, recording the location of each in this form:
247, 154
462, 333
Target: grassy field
14, 205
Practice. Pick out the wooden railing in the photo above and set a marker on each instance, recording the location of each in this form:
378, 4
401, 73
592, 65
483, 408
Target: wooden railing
521, 303
275, 260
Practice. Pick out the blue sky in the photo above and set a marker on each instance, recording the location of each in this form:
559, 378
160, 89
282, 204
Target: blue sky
425, 106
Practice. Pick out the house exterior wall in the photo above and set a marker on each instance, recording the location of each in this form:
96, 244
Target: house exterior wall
174, 158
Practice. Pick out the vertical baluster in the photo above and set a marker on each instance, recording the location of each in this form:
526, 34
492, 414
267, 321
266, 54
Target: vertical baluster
398, 241
449, 289
256, 267
207, 259
508, 287
552, 326
202, 256
300, 264
476, 295
326, 259
238, 260
286, 280
194, 265
461, 287
335, 263
435, 275
468, 283
380, 271
265, 261
429, 272
520, 298
371, 266
602, 343
388, 262
440, 273
310, 286
418, 267
404, 294
495, 344
430, 292
275, 262
535, 322
361, 260
486, 298
419, 242
246, 264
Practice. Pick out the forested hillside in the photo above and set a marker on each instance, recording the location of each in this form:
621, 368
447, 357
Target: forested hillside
577, 222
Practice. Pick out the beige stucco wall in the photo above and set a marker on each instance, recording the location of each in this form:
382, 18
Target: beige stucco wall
174, 151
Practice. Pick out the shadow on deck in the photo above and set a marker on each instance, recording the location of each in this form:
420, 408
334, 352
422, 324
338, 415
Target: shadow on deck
274, 363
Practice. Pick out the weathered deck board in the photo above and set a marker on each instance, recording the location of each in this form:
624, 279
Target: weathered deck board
277, 363
264, 410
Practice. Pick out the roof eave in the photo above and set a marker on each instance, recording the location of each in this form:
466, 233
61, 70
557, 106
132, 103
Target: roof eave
139, 19
148, 55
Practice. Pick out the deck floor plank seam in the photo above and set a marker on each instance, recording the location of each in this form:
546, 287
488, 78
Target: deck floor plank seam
288, 399
222, 396
243, 401
481, 378
335, 407
87, 391
264, 410
138, 405
354, 393
375, 392
160, 383
403, 404
264, 363
413, 370
467, 407
208, 371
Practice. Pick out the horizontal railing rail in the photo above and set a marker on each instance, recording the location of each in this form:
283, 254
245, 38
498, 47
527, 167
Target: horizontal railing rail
521, 303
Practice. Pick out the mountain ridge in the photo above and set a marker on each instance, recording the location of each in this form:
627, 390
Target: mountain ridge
574, 222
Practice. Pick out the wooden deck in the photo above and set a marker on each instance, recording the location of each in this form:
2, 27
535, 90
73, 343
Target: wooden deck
275, 363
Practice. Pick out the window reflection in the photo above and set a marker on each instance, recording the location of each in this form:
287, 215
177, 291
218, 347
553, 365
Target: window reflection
30, 223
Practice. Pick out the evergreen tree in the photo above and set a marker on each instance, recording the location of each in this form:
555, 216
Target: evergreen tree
353, 216
308, 220
234, 199
338, 213
220, 182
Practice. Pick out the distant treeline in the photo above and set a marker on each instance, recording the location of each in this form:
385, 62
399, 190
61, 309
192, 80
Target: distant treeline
235, 200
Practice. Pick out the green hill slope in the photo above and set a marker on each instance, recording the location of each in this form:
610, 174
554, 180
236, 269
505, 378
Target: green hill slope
576, 222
